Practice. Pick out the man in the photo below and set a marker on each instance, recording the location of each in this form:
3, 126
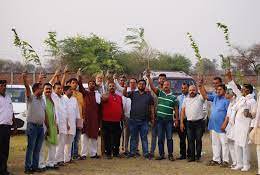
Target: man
73, 114
192, 110
243, 110
92, 119
183, 134
36, 117
218, 113
6, 121
51, 140
166, 110
161, 79
142, 110
112, 111
73, 83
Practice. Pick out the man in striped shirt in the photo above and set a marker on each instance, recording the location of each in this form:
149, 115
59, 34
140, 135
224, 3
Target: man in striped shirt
166, 109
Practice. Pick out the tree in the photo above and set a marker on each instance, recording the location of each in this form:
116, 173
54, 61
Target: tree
93, 54
141, 48
209, 66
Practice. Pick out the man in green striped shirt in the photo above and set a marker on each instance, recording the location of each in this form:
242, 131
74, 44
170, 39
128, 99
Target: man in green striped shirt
166, 110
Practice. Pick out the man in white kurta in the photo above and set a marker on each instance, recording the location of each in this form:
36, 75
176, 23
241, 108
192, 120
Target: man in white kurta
73, 114
242, 125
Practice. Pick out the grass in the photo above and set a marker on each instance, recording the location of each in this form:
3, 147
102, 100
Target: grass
125, 166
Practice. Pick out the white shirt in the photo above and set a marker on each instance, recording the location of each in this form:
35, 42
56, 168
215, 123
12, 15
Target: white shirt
72, 109
193, 107
60, 112
6, 110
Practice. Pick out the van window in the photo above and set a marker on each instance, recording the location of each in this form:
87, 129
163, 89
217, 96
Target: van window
176, 84
17, 94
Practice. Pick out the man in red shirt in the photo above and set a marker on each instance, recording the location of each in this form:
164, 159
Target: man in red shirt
112, 110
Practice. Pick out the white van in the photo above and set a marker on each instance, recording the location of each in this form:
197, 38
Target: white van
17, 94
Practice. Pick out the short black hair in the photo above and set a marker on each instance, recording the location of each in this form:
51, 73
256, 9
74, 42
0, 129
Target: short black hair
249, 87
47, 84
218, 78
223, 86
162, 75
36, 86
3, 81
186, 84
134, 79
72, 79
142, 80
65, 88
56, 84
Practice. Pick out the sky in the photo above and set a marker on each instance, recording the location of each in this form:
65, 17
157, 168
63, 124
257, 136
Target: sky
166, 23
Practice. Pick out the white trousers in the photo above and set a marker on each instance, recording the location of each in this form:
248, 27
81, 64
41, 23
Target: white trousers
68, 146
231, 148
258, 157
61, 148
89, 145
219, 147
243, 156
51, 151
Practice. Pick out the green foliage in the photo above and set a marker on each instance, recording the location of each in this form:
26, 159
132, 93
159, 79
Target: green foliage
195, 47
225, 62
92, 54
52, 43
224, 28
27, 50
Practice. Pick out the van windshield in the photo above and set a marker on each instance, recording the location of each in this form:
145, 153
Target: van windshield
176, 84
17, 94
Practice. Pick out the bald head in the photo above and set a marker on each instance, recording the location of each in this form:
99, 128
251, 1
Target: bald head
193, 91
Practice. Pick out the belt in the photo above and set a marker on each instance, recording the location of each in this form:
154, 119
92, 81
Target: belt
194, 121
35, 124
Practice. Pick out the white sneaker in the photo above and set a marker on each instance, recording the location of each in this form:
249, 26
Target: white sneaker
237, 167
245, 168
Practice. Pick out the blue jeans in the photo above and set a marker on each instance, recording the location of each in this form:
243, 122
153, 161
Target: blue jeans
35, 137
135, 127
75, 144
165, 128
154, 138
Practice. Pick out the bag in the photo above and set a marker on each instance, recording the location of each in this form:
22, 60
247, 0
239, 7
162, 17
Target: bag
79, 123
254, 135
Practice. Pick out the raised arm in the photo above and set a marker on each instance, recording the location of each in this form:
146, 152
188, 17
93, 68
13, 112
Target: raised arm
232, 84
81, 87
202, 90
26, 84
65, 73
150, 81
118, 87
55, 77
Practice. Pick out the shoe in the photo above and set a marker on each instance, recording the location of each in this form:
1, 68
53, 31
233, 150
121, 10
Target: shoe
30, 171
181, 158
160, 158
151, 155
137, 154
245, 168
131, 155
38, 170
95, 157
224, 165
171, 158
61, 164
213, 163
54, 167
83, 158
77, 157
147, 156
237, 168
191, 160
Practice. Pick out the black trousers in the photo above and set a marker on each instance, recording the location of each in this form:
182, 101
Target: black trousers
195, 133
183, 136
111, 134
5, 132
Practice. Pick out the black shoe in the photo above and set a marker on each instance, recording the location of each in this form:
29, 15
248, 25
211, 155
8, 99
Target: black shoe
38, 170
61, 164
160, 158
28, 171
147, 156
137, 154
191, 160
181, 158
55, 167
95, 157
83, 158
130, 156
171, 158
76, 157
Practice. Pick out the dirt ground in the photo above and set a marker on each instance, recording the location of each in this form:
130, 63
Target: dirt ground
131, 166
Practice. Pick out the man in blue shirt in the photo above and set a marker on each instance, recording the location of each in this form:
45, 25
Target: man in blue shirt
218, 113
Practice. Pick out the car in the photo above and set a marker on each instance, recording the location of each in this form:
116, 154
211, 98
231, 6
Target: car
17, 94
176, 78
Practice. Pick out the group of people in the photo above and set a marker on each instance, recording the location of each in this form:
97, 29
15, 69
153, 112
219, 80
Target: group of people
63, 114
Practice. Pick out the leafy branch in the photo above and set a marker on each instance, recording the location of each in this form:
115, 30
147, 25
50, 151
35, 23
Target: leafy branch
52, 43
197, 53
224, 28
27, 50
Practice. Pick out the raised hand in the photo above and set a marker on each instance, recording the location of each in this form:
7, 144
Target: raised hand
66, 69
